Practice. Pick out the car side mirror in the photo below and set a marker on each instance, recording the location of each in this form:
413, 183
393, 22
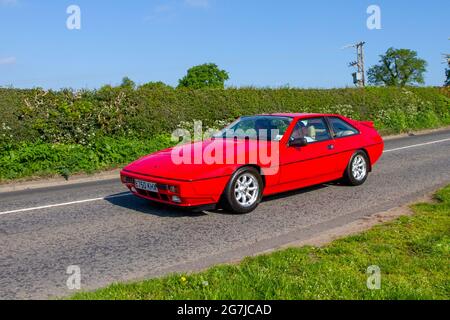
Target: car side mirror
298, 142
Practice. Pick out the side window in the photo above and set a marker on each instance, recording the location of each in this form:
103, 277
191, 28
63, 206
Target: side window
342, 128
313, 130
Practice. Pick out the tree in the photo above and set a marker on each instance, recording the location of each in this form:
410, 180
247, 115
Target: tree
398, 67
127, 83
204, 76
155, 85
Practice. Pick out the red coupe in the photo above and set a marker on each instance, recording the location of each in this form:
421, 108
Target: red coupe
257, 156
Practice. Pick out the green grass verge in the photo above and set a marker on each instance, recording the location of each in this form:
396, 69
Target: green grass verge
412, 252
44, 159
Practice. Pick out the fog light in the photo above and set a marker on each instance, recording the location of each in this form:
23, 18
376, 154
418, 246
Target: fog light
176, 199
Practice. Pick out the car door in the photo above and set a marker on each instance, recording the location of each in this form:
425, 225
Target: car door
347, 139
313, 162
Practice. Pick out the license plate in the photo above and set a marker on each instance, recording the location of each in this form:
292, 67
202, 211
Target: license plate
147, 186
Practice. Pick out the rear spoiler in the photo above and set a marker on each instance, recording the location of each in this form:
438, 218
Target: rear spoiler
369, 124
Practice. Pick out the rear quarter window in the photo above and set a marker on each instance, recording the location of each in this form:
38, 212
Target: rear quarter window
342, 128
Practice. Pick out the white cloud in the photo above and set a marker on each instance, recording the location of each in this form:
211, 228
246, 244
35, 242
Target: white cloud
8, 60
197, 3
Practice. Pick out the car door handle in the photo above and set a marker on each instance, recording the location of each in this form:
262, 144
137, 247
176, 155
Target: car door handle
330, 147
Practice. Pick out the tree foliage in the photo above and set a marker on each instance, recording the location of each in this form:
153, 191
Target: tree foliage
398, 67
204, 76
128, 83
81, 117
155, 85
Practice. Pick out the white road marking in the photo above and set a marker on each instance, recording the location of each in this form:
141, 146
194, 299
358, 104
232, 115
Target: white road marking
64, 204
126, 195
417, 145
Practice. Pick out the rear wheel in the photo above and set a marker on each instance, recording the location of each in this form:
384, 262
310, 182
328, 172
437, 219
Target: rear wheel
244, 191
358, 169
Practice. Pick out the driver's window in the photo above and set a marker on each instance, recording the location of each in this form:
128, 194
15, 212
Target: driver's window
313, 130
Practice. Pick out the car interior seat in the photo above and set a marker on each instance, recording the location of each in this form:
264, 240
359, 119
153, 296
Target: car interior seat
312, 132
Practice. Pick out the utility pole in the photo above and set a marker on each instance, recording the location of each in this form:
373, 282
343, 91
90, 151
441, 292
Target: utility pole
446, 57
447, 71
359, 77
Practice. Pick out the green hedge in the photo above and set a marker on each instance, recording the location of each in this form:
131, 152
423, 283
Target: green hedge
81, 117
47, 132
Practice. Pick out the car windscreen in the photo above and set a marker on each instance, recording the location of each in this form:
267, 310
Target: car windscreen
269, 128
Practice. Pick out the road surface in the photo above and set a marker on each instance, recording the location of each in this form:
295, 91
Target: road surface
113, 236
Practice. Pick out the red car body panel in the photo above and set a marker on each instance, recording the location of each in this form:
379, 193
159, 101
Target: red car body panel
203, 184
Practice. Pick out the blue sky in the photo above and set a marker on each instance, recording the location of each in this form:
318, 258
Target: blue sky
259, 42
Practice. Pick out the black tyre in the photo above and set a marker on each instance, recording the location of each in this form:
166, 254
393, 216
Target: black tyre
358, 169
244, 191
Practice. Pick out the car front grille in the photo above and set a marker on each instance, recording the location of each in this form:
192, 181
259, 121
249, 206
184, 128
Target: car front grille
153, 195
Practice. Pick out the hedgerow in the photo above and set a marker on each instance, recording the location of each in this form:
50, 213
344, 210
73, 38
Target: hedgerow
80, 117
52, 127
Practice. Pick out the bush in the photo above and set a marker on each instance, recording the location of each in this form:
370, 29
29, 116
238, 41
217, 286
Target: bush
68, 131
44, 159
80, 117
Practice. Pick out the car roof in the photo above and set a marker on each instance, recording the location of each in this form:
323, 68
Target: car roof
295, 115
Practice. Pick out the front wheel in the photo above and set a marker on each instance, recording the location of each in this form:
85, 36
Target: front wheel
358, 169
244, 191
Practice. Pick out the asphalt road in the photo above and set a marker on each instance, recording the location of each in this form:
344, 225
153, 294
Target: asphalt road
123, 238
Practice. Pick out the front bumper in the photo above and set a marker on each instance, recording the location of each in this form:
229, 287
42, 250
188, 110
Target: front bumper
188, 194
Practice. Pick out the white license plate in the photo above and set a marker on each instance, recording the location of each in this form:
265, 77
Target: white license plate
147, 186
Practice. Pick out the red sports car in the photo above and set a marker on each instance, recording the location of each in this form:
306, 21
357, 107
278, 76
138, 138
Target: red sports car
257, 156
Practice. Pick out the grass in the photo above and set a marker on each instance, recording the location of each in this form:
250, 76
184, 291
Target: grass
413, 253
46, 160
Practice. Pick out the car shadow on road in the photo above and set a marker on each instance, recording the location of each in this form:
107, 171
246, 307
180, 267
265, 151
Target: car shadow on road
131, 202
283, 195
296, 192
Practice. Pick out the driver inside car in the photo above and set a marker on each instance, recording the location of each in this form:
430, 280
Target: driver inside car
301, 131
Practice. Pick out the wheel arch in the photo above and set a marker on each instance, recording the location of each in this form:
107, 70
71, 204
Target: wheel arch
223, 198
255, 166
